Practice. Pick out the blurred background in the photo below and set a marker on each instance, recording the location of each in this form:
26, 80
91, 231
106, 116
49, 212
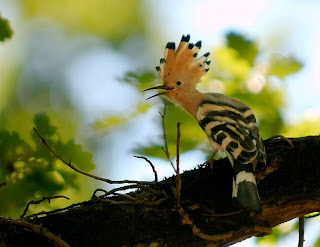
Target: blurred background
75, 69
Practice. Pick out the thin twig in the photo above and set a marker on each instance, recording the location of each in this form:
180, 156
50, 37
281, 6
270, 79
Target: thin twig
165, 149
97, 190
178, 177
152, 166
38, 229
39, 201
127, 187
301, 232
2, 184
68, 163
59, 210
131, 198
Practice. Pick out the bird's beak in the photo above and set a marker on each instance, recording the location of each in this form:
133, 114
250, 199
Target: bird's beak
158, 87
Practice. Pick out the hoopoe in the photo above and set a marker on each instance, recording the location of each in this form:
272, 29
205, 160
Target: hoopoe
229, 124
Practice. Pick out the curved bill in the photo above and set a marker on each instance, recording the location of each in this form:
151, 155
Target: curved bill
158, 87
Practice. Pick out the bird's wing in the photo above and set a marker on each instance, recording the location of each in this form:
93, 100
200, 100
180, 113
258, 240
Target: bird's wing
232, 125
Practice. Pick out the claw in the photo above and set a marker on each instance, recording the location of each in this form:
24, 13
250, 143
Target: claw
210, 161
281, 137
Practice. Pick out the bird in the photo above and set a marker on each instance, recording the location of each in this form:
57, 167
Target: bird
229, 124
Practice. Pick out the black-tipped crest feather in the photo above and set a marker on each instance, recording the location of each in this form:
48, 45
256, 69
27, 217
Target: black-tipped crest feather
171, 45
185, 38
198, 44
182, 62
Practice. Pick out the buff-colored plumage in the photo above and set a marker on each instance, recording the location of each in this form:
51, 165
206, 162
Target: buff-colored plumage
182, 63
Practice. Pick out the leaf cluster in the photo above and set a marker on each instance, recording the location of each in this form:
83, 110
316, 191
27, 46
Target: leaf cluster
5, 29
30, 171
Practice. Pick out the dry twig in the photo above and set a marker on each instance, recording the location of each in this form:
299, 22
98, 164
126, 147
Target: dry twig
165, 149
68, 163
152, 166
178, 177
98, 190
59, 210
301, 232
132, 186
39, 201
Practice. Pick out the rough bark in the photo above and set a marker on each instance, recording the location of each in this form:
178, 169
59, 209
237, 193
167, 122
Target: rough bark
289, 187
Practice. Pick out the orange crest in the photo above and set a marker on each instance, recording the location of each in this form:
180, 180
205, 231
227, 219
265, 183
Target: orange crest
182, 64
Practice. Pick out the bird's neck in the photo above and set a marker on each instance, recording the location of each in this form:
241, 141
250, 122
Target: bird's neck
188, 100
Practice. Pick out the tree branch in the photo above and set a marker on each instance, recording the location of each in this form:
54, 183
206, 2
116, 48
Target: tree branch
37, 229
289, 188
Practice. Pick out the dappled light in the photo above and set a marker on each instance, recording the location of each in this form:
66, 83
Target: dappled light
75, 71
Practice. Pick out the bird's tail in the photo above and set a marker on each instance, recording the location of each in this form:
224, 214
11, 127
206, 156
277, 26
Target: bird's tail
245, 191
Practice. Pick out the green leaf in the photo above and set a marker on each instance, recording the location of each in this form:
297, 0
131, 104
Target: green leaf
139, 79
229, 66
281, 66
115, 121
12, 148
153, 150
75, 153
246, 48
42, 124
109, 122
5, 29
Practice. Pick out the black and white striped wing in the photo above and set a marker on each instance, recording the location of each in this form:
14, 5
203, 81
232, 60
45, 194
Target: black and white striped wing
232, 128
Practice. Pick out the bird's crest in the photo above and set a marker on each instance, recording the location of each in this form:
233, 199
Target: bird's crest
182, 63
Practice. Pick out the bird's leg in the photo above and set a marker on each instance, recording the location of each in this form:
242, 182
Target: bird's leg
210, 161
254, 164
284, 139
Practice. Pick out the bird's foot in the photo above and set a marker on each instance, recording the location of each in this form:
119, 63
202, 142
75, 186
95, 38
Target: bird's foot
209, 162
281, 137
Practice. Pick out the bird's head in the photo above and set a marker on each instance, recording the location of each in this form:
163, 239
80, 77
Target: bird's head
180, 69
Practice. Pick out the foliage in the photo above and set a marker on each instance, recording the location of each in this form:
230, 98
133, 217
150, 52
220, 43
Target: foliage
104, 18
32, 84
282, 66
5, 29
246, 48
308, 126
30, 171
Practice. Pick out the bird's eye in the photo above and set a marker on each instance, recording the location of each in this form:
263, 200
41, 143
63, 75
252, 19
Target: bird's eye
179, 83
